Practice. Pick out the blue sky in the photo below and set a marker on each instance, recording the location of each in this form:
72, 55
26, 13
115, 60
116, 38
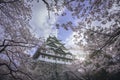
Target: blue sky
64, 34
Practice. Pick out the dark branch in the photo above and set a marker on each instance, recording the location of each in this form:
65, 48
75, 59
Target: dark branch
11, 71
109, 35
2, 1
111, 39
48, 7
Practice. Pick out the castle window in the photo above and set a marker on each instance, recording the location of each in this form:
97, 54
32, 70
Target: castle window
63, 59
49, 57
54, 58
58, 59
43, 56
66, 60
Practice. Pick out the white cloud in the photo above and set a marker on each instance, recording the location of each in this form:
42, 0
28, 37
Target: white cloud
41, 24
78, 51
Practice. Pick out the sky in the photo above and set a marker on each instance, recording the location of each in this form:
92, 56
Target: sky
43, 26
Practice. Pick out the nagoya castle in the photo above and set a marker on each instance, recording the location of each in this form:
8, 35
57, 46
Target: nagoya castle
53, 51
51, 59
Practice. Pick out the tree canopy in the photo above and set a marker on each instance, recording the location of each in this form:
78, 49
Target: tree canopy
15, 39
97, 28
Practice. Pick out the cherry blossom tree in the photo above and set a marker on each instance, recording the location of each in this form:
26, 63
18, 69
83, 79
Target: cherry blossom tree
15, 39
